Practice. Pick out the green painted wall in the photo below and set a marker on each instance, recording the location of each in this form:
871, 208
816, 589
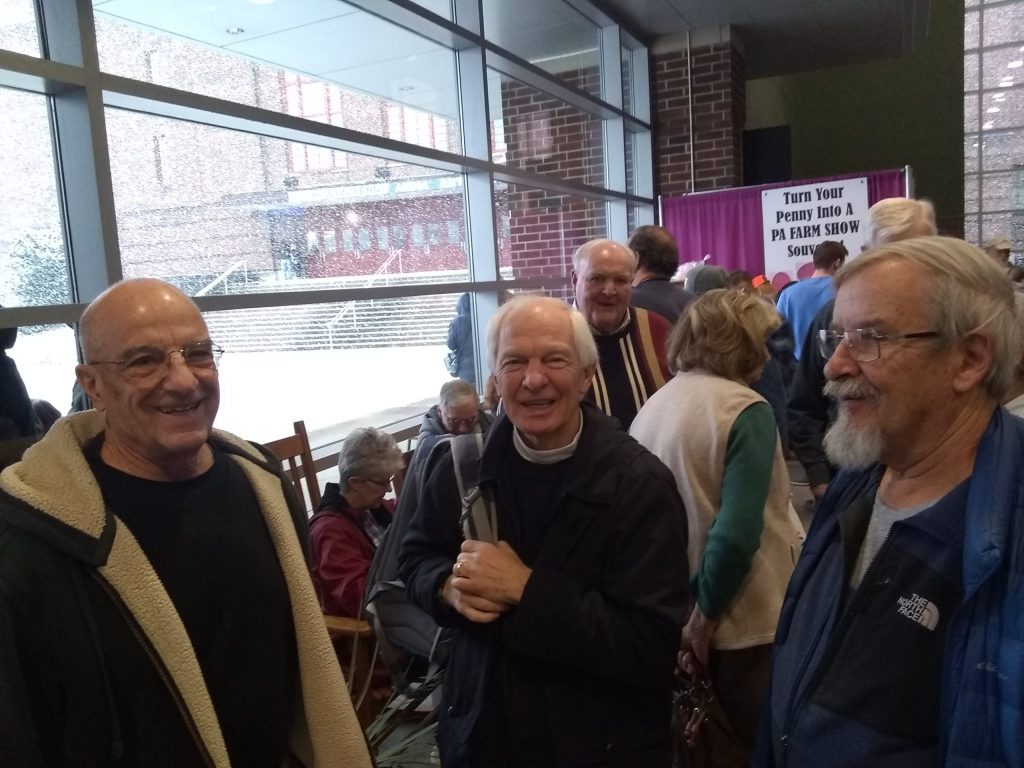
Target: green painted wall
884, 114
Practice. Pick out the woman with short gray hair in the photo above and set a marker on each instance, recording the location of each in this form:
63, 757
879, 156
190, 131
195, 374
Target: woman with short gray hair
352, 518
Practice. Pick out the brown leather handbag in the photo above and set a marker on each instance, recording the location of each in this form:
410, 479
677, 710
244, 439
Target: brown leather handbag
703, 736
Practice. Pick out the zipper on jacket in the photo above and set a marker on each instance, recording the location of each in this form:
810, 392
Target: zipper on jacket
839, 627
787, 723
859, 595
158, 665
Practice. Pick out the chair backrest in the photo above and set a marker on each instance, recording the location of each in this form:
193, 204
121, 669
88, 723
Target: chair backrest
294, 451
399, 479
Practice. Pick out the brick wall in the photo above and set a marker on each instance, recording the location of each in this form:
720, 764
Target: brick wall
718, 119
548, 136
544, 229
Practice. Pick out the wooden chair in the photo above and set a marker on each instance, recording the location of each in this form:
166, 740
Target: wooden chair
353, 638
368, 682
399, 479
294, 451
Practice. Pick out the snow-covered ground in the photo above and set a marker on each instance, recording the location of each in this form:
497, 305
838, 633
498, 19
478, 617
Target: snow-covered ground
262, 393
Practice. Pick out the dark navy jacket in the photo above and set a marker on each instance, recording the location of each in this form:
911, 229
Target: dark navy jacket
595, 635
924, 664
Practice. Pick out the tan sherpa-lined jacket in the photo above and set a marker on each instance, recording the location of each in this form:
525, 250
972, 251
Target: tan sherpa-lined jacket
51, 508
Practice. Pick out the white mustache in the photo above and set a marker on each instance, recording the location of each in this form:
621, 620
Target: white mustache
849, 387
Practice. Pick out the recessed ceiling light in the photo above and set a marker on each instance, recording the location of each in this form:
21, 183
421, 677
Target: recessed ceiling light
1006, 82
987, 125
1015, 64
992, 110
235, 30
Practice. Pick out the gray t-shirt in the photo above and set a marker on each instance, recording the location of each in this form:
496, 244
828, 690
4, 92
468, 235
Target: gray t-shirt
882, 518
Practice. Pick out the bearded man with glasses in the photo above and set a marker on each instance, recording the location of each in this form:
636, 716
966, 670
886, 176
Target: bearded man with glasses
155, 601
899, 642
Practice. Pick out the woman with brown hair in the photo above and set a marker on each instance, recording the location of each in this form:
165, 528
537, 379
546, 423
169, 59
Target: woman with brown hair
720, 440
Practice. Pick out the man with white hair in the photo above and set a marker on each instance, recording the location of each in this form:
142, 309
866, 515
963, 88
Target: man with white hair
810, 411
567, 626
899, 642
630, 341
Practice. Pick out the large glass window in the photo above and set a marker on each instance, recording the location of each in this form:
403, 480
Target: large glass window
539, 133
303, 349
214, 210
18, 30
551, 34
46, 357
540, 230
994, 122
32, 254
286, 57
317, 175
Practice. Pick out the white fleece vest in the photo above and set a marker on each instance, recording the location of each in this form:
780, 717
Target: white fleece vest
686, 424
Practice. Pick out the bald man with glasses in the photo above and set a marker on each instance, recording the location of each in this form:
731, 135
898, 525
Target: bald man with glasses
155, 601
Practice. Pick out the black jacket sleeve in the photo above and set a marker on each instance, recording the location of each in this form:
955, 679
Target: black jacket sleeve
810, 410
432, 543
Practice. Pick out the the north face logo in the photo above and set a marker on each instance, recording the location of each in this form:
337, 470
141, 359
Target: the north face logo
919, 609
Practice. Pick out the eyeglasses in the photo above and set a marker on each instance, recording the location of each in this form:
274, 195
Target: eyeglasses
601, 280
864, 344
469, 423
146, 361
385, 484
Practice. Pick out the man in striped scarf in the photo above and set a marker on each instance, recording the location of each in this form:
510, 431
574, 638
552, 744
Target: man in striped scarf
630, 341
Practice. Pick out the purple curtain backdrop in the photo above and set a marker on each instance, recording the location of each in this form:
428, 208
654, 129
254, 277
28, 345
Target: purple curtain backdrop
727, 223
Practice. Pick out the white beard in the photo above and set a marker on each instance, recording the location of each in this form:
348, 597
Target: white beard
846, 445
852, 447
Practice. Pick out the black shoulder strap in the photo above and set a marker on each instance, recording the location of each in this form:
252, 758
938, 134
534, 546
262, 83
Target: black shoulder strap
479, 519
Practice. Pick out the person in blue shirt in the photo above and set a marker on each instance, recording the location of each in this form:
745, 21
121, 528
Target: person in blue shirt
800, 302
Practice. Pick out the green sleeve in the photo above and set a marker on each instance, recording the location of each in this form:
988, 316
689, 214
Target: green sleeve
735, 533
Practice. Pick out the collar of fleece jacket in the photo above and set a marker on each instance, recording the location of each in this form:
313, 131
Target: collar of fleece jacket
55, 498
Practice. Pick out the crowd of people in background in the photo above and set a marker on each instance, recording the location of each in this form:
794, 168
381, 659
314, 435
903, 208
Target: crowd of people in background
632, 464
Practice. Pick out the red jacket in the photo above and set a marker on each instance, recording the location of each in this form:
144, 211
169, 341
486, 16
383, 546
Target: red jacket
343, 551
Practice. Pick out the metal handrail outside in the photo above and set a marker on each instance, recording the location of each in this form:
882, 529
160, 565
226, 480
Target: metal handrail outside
394, 253
222, 278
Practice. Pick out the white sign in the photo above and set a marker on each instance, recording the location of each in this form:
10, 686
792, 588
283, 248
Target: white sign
796, 219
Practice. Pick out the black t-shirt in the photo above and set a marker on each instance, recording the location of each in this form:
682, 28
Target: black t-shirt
208, 542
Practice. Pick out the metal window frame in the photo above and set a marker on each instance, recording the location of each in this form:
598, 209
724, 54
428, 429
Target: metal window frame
68, 73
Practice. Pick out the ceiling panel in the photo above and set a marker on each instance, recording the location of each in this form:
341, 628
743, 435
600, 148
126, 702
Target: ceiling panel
356, 39
648, 15
784, 36
538, 30
333, 40
422, 80
208, 21
711, 14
